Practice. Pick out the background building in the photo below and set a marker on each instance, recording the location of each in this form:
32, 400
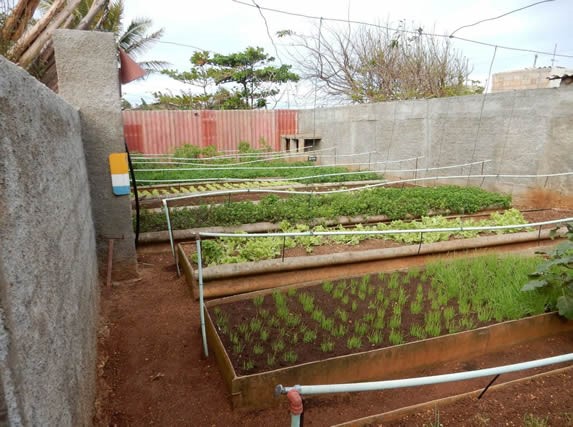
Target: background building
529, 78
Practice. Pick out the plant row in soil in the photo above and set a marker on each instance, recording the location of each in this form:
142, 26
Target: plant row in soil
334, 318
394, 203
232, 250
267, 169
205, 187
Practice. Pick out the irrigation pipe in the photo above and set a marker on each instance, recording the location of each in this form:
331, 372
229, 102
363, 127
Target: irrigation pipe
201, 302
420, 381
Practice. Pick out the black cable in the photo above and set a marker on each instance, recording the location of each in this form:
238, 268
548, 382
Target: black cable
488, 386
500, 16
132, 173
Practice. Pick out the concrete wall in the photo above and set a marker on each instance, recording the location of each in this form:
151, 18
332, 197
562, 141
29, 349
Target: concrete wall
48, 266
83, 57
522, 132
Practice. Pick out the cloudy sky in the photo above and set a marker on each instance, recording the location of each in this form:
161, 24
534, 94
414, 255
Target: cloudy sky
226, 26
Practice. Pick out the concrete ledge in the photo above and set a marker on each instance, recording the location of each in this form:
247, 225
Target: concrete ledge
230, 279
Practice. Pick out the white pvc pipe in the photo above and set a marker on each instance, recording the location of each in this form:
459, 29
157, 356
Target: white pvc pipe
196, 162
233, 154
251, 168
294, 420
420, 381
201, 304
299, 178
378, 232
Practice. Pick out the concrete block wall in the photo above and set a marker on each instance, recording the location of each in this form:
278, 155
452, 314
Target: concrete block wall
48, 266
522, 132
88, 79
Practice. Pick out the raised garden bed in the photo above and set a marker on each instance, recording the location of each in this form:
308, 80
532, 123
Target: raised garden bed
526, 401
262, 170
373, 327
393, 203
151, 196
256, 391
231, 279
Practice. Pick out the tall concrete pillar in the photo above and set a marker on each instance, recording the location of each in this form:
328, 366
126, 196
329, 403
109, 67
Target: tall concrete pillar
88, 79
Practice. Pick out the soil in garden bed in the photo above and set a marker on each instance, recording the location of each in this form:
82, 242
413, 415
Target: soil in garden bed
149, 202
150, 369
539, 401
305, 324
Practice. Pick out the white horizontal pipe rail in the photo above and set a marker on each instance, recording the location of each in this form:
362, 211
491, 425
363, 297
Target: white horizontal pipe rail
228, 156
420, 381
197, 162
251, 168
299, 178
436, 168
385, 183
314, 193
382, 232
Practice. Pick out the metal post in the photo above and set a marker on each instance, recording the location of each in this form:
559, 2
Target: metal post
416, 169
109, 262
201, 305
166, 208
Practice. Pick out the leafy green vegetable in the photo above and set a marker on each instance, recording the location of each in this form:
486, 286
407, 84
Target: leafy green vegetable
554, 277
229, 250
395, 203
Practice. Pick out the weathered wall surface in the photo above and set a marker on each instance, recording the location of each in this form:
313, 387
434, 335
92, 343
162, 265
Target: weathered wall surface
48, 266
521, 132
83, 56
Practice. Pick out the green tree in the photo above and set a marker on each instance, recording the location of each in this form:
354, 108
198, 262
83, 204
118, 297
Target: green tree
243, 80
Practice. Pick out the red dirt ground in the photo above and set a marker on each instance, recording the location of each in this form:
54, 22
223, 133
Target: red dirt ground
151, 371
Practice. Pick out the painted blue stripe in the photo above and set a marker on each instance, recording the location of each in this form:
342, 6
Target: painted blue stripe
121, 190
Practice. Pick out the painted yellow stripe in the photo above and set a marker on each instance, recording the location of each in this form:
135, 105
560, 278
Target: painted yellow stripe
118, 163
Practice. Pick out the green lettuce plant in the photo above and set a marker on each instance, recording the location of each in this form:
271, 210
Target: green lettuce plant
554, 277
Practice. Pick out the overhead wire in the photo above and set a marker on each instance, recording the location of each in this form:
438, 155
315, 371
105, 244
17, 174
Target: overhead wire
403, 30
499, 16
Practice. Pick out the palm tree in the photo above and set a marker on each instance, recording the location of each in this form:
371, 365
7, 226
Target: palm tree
134, 40
137, 39
29, 43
